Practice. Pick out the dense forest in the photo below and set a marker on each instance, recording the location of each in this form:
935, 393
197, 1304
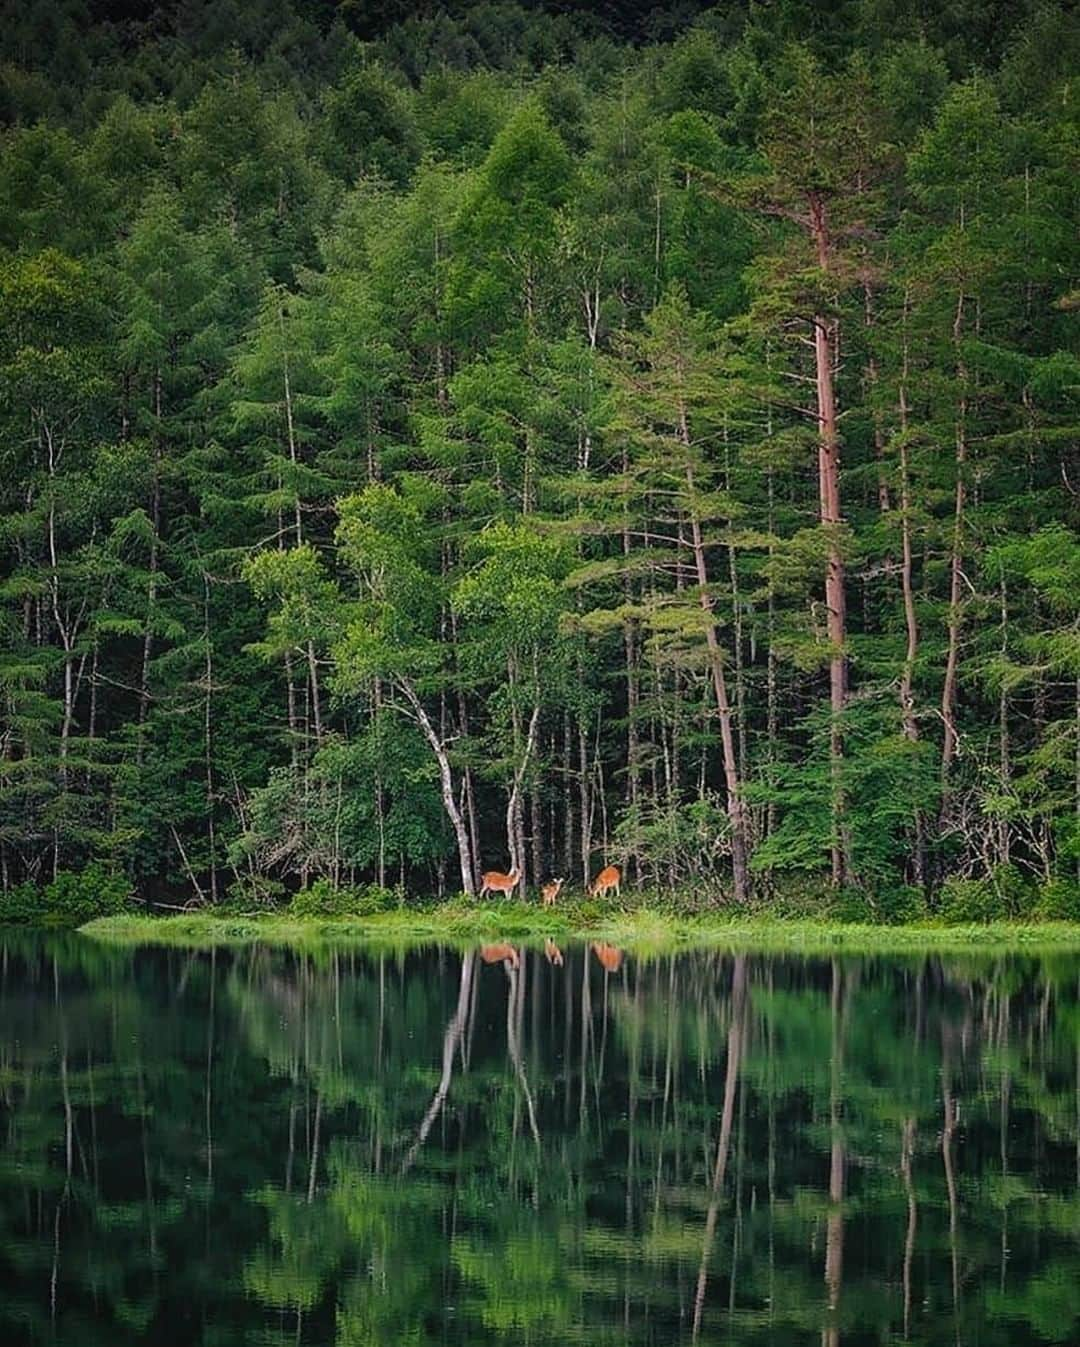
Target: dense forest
532, 437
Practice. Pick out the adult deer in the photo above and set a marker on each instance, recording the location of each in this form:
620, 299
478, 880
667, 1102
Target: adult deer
494, 881
501, 953
610, 877
550, 891
553, 953
610, 958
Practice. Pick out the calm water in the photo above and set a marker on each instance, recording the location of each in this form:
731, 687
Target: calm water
261, 1147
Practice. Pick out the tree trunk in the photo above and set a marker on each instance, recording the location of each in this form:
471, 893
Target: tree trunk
1004, 751
152, 582
585, 803
736, 632
208, 674
950, 743
515, 822
735, 805
907, 674
825, 338
771, 723
630, 655
446, 785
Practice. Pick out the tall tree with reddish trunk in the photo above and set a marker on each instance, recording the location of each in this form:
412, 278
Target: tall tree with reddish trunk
822, 145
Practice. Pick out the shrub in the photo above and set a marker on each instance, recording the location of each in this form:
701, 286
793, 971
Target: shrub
590, 911
1016, 893
73, 897
1059, 900
795, 894
322, 899
966, 901
251, 891
851, 905
23, 905
898, 905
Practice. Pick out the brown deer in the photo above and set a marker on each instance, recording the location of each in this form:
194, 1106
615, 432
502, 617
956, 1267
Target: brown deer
610, 958
494, 881
550, 891
610, 877
553, 953
501, 953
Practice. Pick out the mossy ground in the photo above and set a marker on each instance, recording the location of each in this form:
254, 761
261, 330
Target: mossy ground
642, 928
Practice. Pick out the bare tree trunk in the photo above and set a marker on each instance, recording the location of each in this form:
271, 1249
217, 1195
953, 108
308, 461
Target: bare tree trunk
152, 582
950, 743
771, 721
1004, 751
446, 784
568, 799
208, 674
630, 654
585, 803
467, 775
290, 426
742, 759
515, 826
911, 622
735, 804
825, 339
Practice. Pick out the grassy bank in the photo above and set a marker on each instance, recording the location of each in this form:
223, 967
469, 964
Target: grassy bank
643, 928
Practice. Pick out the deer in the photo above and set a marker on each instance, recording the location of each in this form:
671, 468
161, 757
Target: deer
553, 953
550, 891
609, 957
501, 953
494, 881
609, 878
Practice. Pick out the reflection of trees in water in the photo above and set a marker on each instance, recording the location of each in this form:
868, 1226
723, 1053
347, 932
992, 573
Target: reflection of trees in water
361, 1148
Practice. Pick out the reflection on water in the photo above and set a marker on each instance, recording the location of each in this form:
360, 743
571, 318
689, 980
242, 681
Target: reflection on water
559, 1145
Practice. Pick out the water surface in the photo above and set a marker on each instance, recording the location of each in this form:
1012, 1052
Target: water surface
259, 1147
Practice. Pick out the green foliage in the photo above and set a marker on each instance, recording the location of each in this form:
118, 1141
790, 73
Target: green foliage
964, 901
409, 433
898, 905
23, 905
1059, 900
69, 900
679, 847
322, 899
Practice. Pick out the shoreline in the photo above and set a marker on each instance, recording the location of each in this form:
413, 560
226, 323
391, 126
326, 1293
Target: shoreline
642, 929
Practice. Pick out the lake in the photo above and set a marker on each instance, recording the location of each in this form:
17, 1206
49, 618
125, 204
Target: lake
260, 1146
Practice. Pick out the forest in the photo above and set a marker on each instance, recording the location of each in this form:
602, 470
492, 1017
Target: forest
536, 437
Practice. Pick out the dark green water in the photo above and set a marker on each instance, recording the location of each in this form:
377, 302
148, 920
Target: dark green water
259, 1147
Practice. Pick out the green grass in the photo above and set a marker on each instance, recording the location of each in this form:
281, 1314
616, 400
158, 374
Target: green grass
643, 928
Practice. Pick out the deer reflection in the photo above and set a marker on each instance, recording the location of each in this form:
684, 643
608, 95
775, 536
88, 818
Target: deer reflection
609, 957
502, 953
553, 953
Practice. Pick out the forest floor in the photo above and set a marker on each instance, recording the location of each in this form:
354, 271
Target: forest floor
643, 929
